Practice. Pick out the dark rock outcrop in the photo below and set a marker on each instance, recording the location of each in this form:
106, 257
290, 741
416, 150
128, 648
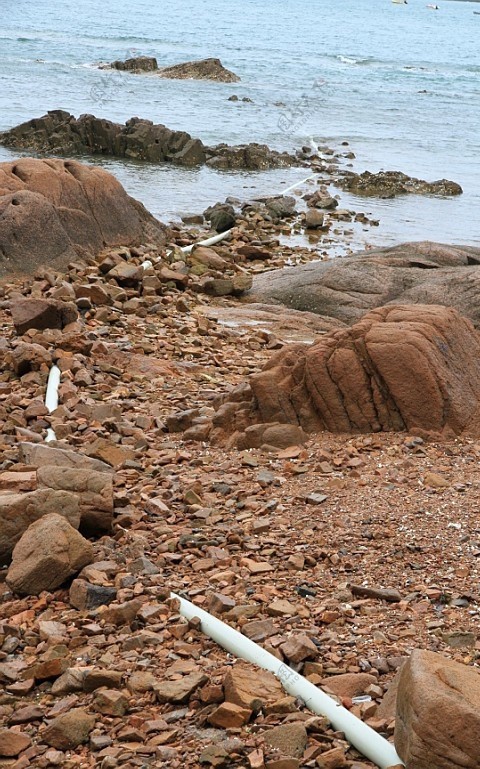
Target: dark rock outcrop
251, 157
436, 692
54, 211
135, 64
60, 133
389, 184
204, 69
347, 288
399, 368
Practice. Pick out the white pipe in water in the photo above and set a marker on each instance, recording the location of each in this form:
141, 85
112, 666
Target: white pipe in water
361, 736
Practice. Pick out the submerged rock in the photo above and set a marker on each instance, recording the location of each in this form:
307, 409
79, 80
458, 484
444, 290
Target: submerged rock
135, 64
389, 184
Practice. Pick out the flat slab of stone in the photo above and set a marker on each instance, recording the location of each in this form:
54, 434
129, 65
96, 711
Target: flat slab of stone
347, 288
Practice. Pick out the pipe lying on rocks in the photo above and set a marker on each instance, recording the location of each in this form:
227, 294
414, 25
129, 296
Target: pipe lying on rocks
358, 734
51, 398
208, 242
222, 235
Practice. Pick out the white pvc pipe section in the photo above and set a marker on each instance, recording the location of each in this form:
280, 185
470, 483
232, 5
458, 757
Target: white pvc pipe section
51, 398
361, 736
209, 242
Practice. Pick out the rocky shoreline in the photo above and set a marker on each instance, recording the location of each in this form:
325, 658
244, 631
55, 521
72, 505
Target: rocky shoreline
339, 553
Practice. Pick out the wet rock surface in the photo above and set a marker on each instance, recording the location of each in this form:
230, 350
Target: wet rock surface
58, 132
389, 184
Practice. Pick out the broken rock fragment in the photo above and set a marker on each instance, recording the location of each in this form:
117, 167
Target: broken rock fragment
69, 730
251, 687
18, 511
48, 553
41, 314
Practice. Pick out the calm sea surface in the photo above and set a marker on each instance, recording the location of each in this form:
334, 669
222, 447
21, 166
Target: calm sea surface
400, 83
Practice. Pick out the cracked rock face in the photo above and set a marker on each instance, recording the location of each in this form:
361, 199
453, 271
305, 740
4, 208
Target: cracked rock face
399, 368
438, 713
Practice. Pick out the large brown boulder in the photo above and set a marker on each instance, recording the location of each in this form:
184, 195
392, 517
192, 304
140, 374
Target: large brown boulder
399, 368
53, 211
47, 554
18, 511
347, 288
438, 713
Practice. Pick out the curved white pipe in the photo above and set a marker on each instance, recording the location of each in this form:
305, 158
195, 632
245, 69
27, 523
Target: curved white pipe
51, 398
209, 242
361, 736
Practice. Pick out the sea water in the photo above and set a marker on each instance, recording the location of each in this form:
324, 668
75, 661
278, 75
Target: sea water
399, 83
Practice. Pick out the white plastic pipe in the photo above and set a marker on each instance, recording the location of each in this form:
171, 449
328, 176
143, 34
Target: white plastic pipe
209, 242
51, 398
361, 736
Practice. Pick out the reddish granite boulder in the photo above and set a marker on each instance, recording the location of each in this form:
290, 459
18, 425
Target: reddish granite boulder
53, 211
399, 368
48, 553
438, 713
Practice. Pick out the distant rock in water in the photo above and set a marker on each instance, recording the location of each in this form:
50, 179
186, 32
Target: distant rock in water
54, 211
389, 184
204, 69
137, 64
60, 133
